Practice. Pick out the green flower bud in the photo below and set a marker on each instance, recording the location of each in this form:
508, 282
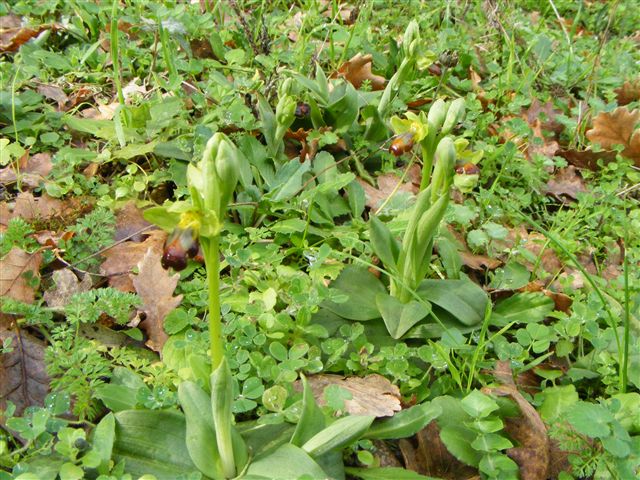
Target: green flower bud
437, 114
219, 169
286, 111
444, 169
411, 34
210, 183
228, 170
455, 114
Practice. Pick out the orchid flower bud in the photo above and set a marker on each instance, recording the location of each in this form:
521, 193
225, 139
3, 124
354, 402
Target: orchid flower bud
444, 168
411, 38
455, 114
437, 114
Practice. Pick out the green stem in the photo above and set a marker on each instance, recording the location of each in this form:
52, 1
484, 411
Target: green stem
427, 165
211, 249
115, 56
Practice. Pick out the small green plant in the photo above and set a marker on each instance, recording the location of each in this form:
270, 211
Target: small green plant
472, 431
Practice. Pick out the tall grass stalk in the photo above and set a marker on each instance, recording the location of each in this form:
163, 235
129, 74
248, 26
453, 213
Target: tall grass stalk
115, 52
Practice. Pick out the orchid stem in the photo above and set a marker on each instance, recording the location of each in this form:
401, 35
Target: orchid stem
211, 248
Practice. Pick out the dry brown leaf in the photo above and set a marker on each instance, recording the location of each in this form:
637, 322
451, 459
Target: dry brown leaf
566, 183
478, 262
357, 70
130, 223
44, 208
32, 170
18, 270
541, 118
429, 456
586, 158
387, 186
618, 128
121, 259
55, 93
537, 244
155, 287
66, 284
469, 259
13, 35
371, 395
530, 433
23, 374
628, 92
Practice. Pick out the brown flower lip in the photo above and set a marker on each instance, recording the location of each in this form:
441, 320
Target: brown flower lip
180, 246
402, 143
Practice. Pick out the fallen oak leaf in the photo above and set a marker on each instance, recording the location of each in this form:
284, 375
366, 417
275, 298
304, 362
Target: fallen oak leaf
567, 183
431, 457
18, 269
389, 184
32, 169
618, 128
586, 158
66, 285
23, 374
55, 93
370, 395
130, 223
155, 287
357, 70
122, 258
533, 451
13, 35
628, 92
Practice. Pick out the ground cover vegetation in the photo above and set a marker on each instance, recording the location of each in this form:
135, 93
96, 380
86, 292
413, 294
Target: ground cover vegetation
319, 239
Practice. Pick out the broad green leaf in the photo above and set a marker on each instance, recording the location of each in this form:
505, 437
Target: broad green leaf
512, 276
69, 471
498, 465
404, 423
264, 438
556, 401
339, 434
343, 110
116, 397
478, 405
526, 307
289, 226
288, 180
491, 442
332, 464
161, 217
103, 438
384, 244
311, 417
400, 317
134, 150
590, 419
221, 403
386, 473
285, 463
361, 288
462, 298
152, 442
629, 413
457, 439
325, 167
449, 256
200, 430
357, 199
